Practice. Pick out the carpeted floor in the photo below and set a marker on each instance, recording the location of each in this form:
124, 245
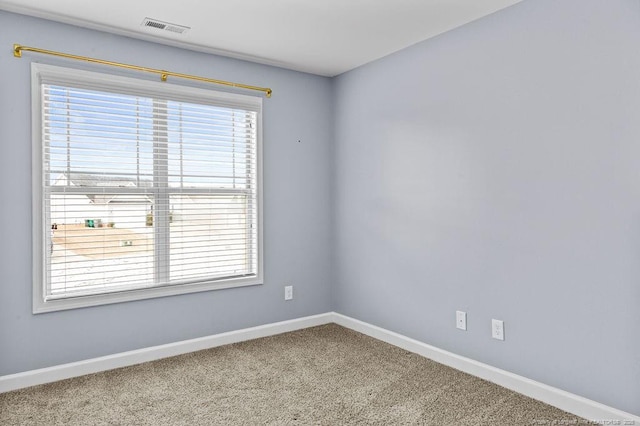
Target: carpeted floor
325, 375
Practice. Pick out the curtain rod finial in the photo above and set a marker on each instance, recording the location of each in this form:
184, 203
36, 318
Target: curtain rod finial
269, 92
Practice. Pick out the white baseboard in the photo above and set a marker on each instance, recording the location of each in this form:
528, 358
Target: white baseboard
566, 401
125, 359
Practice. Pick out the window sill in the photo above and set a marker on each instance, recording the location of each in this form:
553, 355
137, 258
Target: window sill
42, 306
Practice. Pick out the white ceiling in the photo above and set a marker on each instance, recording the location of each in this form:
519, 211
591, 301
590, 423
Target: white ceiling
325, 37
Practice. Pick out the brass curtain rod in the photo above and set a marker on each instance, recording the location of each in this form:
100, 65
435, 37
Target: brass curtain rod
18, 49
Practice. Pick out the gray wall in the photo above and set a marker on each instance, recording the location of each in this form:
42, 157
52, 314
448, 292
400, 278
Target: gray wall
296, 202
496, 169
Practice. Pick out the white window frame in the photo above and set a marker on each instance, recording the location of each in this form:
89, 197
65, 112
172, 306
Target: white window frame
42, 73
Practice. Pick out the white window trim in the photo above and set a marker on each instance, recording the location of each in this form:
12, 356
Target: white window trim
43, 73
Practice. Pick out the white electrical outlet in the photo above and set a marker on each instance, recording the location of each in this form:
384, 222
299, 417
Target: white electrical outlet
497, 329
461, 320
288, 292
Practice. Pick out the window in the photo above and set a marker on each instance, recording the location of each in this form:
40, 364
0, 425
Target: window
141, 189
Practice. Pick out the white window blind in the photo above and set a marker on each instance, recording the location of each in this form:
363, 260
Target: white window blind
144, 191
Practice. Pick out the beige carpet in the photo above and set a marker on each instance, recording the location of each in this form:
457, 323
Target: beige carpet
325, 375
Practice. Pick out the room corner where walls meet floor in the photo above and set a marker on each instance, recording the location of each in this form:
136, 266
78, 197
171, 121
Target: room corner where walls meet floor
566, 401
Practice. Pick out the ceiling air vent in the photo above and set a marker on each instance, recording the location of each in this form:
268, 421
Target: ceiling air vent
164, 26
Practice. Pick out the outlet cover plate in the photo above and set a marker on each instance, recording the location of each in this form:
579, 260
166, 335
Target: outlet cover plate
461, 320
288, 292
497, 329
